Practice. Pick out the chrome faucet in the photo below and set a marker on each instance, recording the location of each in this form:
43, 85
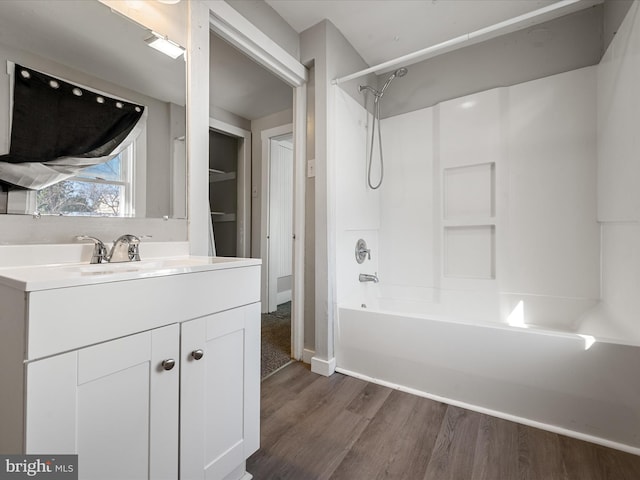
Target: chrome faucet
125, 249
99, 254
366, 277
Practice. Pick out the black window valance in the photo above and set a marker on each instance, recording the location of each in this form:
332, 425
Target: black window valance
59, 128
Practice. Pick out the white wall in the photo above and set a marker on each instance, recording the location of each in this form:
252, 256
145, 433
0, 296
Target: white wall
619, 172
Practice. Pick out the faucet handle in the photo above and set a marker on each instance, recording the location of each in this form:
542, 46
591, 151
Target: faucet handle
362, 252
99, 249
134, 249
125, 249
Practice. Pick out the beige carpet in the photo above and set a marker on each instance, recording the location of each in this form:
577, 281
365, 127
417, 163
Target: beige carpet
276, 339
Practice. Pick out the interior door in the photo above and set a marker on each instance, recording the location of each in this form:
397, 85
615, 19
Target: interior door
280, 257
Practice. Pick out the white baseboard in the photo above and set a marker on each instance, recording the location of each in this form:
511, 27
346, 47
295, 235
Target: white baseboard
323, 367
495, 413
307, 355
239, 473
283, 297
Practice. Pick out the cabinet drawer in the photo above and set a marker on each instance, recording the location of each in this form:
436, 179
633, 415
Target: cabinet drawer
69, 318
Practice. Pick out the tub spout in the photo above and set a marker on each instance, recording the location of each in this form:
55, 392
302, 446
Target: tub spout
366, 277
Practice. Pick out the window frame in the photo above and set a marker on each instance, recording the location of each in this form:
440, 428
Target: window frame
127, 180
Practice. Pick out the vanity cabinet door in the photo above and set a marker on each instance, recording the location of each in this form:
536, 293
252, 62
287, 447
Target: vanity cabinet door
220, 393
114, 404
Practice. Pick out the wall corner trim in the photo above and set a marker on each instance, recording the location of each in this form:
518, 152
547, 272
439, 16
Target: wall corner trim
323, 367
307, 355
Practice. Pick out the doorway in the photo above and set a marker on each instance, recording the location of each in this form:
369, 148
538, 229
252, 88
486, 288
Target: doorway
277, 250
247, 95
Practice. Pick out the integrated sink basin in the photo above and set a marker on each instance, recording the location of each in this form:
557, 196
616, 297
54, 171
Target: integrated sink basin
44, 277
147, 265
111, 268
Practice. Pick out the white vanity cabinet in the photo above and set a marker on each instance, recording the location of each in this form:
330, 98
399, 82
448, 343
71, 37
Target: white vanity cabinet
219, 408
150, 376
113, 404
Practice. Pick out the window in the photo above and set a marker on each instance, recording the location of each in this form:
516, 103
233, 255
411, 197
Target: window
101, 190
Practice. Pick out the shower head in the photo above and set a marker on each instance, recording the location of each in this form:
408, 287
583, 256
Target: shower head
401, 72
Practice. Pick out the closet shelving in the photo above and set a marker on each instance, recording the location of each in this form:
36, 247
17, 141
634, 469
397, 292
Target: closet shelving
224, 186
220, 175
223, 217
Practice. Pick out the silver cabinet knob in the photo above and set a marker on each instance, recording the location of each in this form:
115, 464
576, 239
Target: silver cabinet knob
168, 364
197, 354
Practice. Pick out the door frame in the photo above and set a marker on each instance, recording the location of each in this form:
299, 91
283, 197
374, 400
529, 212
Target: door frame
229, 24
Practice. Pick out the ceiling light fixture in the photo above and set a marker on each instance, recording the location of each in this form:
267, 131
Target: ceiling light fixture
164, 45
169, 2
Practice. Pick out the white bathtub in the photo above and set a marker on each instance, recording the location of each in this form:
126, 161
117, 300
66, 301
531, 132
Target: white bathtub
547, 362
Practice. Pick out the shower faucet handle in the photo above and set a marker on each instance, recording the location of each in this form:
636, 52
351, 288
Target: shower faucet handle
362, 252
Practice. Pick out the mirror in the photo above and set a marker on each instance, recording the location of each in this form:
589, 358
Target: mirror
87, 44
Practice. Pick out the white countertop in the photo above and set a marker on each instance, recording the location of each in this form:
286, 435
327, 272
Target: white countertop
45, 277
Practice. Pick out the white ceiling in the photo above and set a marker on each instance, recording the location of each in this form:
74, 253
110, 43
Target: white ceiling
382, 30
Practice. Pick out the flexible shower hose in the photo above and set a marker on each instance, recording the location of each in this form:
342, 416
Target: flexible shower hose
376, 119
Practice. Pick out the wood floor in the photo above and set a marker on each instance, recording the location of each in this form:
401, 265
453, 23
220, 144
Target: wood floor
343, 428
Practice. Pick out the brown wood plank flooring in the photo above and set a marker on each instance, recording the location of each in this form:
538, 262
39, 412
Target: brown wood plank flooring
343, 428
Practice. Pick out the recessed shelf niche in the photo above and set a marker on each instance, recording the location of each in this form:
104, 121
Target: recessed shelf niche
469, 221
469, 252
469, 192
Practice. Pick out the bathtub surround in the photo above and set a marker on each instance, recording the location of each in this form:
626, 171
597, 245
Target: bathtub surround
505, 237
618, 168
